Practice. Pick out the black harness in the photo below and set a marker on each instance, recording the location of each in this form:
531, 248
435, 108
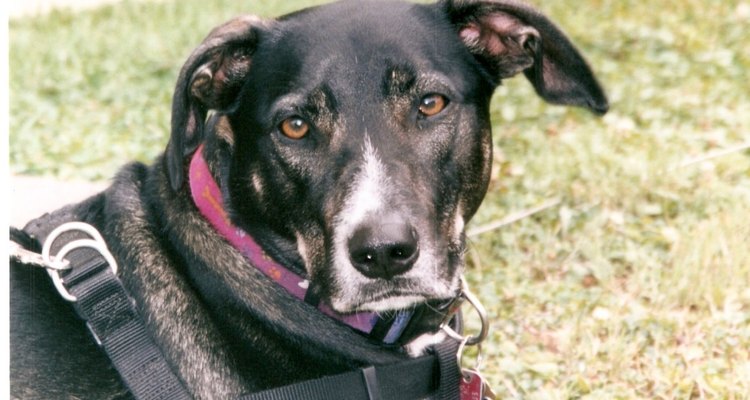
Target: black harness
84, 273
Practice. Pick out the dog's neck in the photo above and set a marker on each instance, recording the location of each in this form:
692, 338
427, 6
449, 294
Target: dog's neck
276, 246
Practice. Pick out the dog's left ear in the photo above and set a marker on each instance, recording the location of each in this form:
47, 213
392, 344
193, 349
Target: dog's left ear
211, 79
509, 37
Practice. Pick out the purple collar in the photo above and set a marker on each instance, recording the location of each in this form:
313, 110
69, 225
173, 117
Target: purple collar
208, 198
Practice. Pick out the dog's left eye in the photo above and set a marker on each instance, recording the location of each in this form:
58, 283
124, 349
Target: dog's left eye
432, 104
294, 127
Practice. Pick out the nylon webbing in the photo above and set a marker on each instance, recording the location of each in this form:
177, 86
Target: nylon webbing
113, 320
435, 376
111, 316
450, 373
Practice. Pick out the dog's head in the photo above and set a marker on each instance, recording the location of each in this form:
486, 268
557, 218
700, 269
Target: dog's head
359, 132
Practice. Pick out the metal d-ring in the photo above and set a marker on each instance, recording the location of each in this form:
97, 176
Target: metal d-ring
476, 340
57, 263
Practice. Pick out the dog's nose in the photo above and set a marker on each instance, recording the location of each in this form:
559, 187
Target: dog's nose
384, 250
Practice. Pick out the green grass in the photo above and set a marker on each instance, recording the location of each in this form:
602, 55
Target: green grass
635, 286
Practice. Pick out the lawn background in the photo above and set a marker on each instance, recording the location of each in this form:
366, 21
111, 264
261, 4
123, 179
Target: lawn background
633, 284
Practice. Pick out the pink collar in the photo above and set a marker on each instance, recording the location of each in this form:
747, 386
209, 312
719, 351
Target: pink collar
208, 198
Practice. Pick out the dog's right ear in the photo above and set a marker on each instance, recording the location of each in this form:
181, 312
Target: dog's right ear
211, 79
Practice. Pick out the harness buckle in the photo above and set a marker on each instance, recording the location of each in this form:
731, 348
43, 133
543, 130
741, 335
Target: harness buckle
54, 264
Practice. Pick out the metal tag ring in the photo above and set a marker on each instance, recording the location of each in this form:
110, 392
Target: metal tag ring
481, 311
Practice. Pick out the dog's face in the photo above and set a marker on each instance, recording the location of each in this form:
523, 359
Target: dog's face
372, 150
359, 131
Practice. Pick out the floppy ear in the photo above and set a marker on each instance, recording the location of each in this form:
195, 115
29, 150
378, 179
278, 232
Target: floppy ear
509, 37
211, 79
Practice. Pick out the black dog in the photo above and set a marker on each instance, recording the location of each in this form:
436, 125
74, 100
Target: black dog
352, 142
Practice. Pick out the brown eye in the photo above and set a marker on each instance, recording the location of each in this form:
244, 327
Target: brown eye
432, 104
294, 128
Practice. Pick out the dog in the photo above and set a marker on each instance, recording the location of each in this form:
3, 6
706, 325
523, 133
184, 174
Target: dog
352, 142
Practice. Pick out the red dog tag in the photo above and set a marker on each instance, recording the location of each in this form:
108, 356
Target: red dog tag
474, 387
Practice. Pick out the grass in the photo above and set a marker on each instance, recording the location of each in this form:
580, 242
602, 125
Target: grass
636, 285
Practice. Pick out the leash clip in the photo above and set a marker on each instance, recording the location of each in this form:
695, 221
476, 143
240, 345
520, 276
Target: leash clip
54, 264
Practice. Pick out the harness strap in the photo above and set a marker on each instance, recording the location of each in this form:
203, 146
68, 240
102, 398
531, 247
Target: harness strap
436, 374
450, 373
110, 314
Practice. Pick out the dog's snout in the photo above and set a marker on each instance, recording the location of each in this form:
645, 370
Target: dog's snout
384, 250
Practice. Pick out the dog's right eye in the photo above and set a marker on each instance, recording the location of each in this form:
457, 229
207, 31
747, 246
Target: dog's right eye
294, 127
432, 104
